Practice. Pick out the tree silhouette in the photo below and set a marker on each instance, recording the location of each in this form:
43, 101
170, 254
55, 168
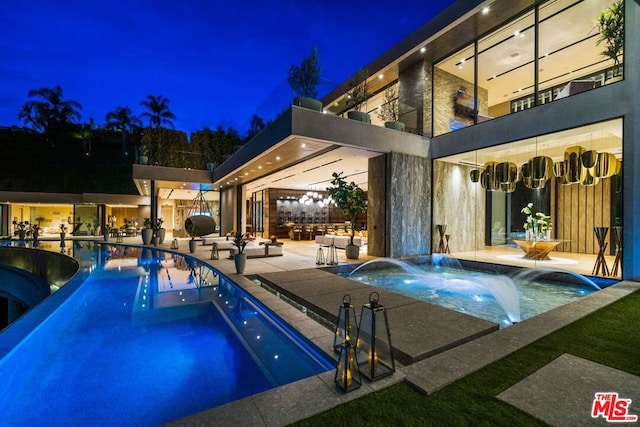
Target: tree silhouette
159, 113
51, 114
122, 119
255, 126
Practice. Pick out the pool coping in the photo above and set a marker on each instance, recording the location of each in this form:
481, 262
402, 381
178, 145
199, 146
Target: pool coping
291, 403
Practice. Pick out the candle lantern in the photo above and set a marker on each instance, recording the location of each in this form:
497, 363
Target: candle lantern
375, 358
347, 373
319, 256
214, 251
346, 327
332, 255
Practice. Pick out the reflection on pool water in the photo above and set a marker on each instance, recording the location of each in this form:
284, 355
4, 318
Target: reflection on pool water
495, 297
149, 337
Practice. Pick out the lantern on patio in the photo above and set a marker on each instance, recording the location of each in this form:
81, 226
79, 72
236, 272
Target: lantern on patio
214, 252
319, 256
346, 327
332, 255
374, 340
174, 244
347, 373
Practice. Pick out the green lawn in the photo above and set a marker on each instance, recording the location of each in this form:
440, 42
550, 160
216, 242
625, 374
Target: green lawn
610, 336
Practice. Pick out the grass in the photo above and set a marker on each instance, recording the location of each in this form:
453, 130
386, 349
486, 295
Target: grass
609, 336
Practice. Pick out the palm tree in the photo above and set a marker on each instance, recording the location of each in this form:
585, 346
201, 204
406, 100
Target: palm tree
122, 119
158, 113
51, 114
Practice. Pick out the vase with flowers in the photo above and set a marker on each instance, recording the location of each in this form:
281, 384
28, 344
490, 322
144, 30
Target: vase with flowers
538, 225
63, 231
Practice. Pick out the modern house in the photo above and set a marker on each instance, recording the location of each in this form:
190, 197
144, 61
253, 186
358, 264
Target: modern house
505, 103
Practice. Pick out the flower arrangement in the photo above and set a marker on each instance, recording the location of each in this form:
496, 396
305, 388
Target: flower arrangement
21, 225
538, 222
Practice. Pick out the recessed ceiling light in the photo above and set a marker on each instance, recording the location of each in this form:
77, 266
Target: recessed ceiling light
485, 10
278, 158
303, 145
423, 49
335, 103
246, 173
259, 167
516, 33
380, 76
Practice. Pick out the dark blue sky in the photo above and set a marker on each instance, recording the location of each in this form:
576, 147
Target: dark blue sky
218, 62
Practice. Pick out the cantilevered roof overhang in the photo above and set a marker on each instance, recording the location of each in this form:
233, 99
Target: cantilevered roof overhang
171, 178
301, 134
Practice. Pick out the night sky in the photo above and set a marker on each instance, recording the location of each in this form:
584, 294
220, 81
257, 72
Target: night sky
218, 62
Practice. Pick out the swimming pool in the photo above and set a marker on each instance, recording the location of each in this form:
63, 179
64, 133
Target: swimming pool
500, 298
149, 337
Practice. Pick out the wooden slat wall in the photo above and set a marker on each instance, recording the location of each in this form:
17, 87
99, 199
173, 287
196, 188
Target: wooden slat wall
579, 209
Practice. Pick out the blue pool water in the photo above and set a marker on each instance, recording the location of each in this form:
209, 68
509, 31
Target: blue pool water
496, 297
148, 338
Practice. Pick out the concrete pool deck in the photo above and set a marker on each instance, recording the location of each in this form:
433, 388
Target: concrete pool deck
436, 348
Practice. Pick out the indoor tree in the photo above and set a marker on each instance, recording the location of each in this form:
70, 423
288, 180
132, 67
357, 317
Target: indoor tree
350, 199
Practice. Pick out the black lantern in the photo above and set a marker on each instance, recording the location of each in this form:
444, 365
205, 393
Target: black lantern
346, 328
347, 372
374, 340
214, 251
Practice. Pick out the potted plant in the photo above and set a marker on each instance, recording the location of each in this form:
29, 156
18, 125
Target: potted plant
193, 233
160, 232
143, 158
21, 228
35, 232
358, 95
303, 80
63, 231
147, 231
240, 258
610, 26
388, 111
350, 199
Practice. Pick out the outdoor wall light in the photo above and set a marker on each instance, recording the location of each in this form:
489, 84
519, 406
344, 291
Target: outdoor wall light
347, 373
373, 346
346, 327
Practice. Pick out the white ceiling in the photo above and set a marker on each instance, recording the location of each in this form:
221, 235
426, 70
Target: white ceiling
315, 174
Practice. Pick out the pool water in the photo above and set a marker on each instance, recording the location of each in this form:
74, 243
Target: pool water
146, 340
480, 294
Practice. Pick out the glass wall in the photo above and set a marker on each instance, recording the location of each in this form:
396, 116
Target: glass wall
555, 190
454, 105
569, 61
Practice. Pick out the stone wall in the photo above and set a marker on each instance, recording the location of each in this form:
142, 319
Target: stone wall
446, 86
458, 203
377, 242
409, 210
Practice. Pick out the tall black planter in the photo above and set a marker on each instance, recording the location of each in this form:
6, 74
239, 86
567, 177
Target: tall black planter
147, 235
